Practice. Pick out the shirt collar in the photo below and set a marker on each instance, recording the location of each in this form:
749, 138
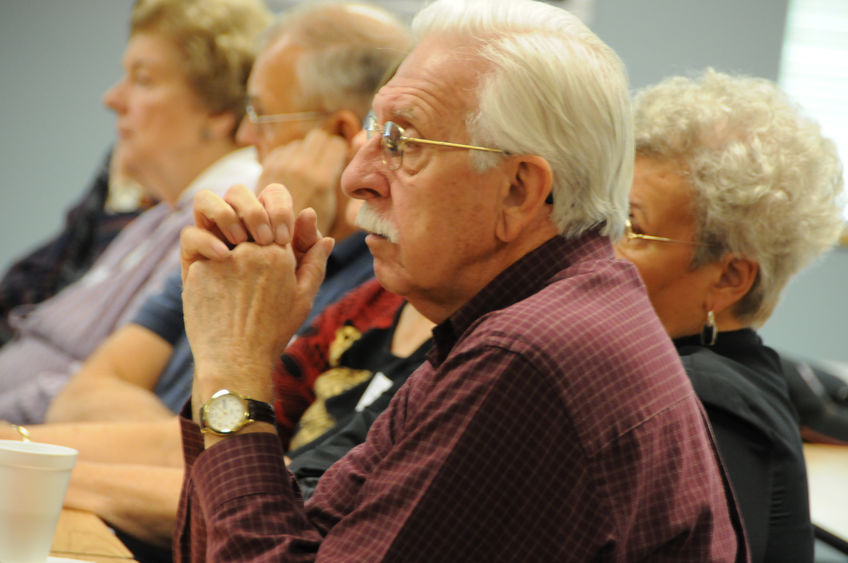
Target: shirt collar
523, 278
237, 167
734, 344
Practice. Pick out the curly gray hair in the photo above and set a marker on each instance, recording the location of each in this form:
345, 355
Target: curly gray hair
767, 184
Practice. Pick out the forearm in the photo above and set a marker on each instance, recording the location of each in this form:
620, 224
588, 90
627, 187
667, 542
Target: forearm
105, 399
153, 443
140, 500
117, 380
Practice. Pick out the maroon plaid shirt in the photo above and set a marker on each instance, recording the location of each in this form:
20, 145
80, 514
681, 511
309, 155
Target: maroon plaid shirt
552, 422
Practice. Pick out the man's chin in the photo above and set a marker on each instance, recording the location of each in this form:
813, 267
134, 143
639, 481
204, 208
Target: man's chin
389, 277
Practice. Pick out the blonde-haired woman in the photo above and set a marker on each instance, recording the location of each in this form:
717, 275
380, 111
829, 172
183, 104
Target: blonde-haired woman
178, 106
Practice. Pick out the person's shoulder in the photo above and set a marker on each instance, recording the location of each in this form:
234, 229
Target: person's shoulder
596, 303
720, 378
750, 394
601, 282
595, 326
236, 167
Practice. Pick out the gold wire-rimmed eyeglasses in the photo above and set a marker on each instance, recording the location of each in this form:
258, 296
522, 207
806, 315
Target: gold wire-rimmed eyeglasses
257, 118
393, 141
629, 235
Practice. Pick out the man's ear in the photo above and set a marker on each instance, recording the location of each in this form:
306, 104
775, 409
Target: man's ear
523, 198
344, 124
736, 276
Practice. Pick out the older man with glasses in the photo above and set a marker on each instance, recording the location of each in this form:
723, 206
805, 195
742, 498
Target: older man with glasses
302, 123
308, 92
552, 420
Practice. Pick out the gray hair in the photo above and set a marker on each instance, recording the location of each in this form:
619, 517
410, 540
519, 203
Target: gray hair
551, 88
766, 183
350, 47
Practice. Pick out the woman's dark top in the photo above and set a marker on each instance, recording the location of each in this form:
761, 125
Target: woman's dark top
742, 387
372, 352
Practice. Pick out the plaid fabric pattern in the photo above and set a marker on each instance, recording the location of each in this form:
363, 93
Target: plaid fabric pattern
552, 422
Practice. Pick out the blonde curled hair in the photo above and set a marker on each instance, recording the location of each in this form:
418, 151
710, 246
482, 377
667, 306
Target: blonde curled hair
218, 41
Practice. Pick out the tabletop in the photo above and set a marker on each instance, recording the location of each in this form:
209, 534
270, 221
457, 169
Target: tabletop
82, 535
827, 473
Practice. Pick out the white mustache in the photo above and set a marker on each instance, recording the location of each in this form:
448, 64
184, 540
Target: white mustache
370, 220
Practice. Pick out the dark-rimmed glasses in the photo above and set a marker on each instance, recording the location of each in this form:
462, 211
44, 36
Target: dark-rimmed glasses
393, 141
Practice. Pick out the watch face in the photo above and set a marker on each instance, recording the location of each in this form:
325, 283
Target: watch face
225, 413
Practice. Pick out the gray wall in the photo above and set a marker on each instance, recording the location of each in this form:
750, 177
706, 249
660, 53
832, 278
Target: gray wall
656, 38
811, 320
57, 57
56, 60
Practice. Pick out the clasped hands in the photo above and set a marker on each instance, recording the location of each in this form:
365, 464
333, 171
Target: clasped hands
250, 270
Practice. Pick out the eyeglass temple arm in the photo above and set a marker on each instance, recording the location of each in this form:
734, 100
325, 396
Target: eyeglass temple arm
664, 239
548, 200
454, 145
283, 117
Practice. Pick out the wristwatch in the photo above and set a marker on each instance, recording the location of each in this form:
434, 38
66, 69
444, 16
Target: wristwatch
226, 413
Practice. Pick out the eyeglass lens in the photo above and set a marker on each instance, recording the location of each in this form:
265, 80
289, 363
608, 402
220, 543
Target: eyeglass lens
392, 146
391, 141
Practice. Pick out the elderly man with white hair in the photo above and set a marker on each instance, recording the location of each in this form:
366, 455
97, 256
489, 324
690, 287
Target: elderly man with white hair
552, 419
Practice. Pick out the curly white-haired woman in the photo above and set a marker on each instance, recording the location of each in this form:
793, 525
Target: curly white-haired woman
734, 192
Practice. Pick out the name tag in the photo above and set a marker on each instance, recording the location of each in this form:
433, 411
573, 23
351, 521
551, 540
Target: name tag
379, 385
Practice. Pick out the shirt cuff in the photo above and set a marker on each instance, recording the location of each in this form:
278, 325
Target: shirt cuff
239, 467
192, 438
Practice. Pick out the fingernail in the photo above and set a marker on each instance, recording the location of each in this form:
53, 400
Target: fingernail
263, 234
283, 234
237, 234
220, 249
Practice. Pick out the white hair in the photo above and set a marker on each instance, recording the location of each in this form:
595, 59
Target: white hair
551, 88
350, 47
767, 184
